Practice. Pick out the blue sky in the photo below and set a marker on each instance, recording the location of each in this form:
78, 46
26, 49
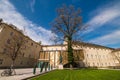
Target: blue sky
35, 16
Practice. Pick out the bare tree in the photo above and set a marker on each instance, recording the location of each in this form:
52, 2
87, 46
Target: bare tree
14, 47
67, 24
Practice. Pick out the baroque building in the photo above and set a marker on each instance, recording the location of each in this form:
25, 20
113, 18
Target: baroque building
85, 54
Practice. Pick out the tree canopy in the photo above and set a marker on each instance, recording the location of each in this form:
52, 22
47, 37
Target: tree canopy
67, 24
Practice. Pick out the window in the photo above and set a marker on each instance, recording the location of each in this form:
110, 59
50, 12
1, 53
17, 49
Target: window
21, 62
27, 41
25, 47
106, 64
4, 50
31, 44
91, 55
1, 61
103, 56
106, 56
96, 56
102, 64
99, 56
8, 41
23, 54
11, 33
87, 55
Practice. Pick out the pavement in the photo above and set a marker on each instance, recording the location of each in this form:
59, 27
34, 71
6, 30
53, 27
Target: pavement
21, 74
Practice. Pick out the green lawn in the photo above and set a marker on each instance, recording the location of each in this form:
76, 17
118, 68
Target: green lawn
82, 74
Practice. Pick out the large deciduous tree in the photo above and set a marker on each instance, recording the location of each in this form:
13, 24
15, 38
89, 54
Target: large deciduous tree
67, 24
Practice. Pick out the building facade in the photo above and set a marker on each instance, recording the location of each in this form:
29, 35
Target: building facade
29, 50
85, 54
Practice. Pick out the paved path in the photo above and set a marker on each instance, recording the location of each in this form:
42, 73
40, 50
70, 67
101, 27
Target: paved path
21, 74
25, 73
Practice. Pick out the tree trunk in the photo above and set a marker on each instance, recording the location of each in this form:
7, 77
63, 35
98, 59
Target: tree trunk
12, 67
70, 53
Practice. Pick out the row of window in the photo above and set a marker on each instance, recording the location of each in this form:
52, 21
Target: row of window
8, 42
93, 48
11, 34
98, 48
99, 64
23, 54
97, 56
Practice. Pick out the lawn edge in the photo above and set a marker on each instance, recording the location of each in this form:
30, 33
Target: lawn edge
28, 78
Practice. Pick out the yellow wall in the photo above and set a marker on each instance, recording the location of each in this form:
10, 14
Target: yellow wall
89, 56
30, 50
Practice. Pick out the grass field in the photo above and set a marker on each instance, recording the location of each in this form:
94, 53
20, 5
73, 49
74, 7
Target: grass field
82, 74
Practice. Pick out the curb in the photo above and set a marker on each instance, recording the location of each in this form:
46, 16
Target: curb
28, 78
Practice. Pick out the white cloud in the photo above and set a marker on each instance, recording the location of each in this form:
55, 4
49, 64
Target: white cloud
103, 15
10, 15
108, 13
112, 38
